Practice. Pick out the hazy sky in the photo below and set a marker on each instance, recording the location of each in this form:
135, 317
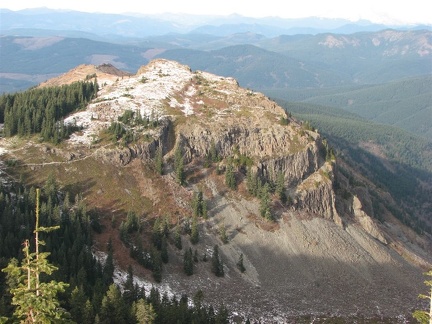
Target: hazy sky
387, 11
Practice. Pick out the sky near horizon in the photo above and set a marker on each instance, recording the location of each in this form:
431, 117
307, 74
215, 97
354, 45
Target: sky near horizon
378, 11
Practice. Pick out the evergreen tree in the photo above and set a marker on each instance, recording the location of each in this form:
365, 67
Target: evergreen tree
179, 166
265, 207
177, 238
213, 154
114, 309
425, 317
77, 304
280, 188
253, 183
132, 222
194, 238
156, 265
144, 312
129, 291
216, 263
196, 203
204, 209
240, 264
123, 232
199, 205
188, 264
230, 180
164, 250
157, 233
108, 269
36, 301
88, 313
223, 234
222, 315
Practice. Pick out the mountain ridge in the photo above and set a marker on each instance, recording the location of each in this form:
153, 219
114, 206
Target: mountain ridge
166, 23
324, 248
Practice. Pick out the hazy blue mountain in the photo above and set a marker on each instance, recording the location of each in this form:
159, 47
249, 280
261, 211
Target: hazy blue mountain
101, 24
58, 55
133, 25
255, 67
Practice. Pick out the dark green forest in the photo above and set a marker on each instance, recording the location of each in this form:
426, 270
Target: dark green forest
405, 103
41, 110
91, 295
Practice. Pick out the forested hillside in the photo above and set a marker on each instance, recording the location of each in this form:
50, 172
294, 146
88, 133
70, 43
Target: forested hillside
90, 295
393, 158
43, 110
406, 104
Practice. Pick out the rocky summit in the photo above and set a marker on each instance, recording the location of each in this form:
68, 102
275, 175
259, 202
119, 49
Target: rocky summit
276, 197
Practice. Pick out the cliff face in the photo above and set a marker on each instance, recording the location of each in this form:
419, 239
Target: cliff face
199, 112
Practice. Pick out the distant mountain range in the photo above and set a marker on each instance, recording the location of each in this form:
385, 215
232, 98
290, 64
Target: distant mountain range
379, 72
116, 25
301, 61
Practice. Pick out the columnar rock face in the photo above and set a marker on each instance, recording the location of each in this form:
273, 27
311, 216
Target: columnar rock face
273, 149
315, 195
197, 112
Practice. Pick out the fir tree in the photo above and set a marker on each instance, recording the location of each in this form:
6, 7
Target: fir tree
129, 291
164, 250
240, 264
213, 154
144, 312
36, 301
177, 238
265, 207
216, 263
179, 166
425, 317
280, 188
194, 237
253, 183
230, 180
157, 234
88, 313
188, 264
199, 205
114, 309
108, 269
223, 234
204, 209
77, 303
157, 265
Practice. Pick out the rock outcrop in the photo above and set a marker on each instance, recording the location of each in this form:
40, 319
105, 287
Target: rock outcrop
197, 112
